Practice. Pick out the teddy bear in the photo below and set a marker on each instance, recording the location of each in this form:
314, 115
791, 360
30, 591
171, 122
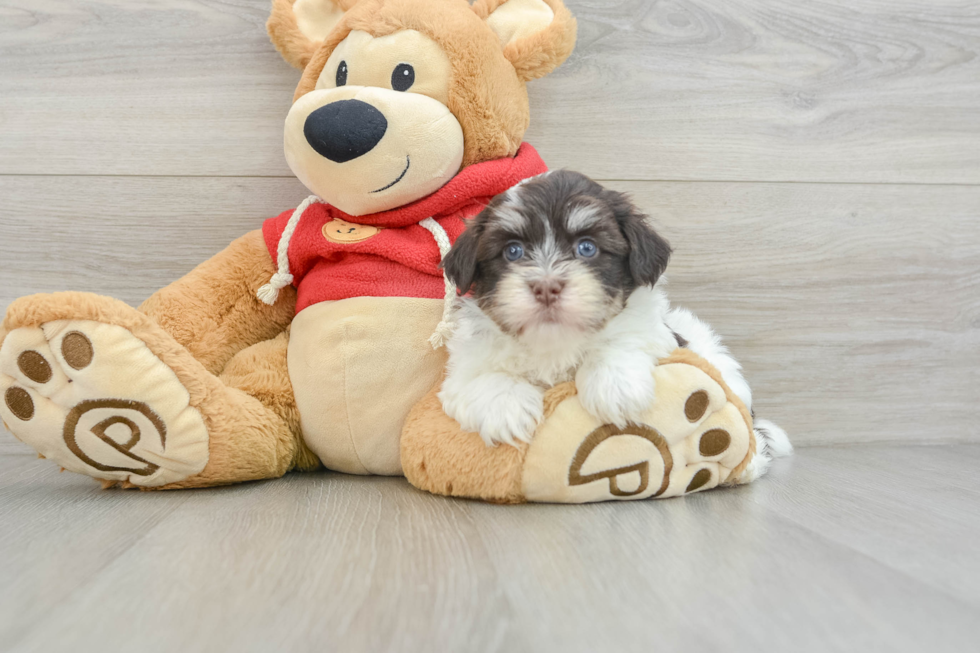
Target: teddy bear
314, 341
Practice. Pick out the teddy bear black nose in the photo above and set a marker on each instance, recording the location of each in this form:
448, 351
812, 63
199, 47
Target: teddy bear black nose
344, 130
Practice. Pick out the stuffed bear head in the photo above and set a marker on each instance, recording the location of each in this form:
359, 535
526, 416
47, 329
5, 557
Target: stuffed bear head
397, 96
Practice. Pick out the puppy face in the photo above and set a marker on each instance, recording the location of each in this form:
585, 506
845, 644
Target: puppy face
558, 252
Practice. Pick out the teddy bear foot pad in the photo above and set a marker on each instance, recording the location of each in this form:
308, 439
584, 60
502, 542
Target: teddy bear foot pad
95, 399
697, 435
692, 439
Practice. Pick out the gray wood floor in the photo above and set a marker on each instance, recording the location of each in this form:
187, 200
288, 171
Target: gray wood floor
816, 166
870, 547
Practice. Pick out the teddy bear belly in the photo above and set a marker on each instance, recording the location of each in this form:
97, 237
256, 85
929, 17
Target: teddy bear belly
358, 366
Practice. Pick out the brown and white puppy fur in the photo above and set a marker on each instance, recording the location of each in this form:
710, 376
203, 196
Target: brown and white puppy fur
563, 275
566, 281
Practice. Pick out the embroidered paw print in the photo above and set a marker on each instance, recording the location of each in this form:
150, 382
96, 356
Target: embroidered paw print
692, 438
93, 398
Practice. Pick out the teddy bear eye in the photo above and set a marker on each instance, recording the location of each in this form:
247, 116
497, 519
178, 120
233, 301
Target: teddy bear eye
342, 73
403, 77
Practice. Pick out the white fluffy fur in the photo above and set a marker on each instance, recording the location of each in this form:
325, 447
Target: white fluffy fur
495, 382
707, 344
771, 441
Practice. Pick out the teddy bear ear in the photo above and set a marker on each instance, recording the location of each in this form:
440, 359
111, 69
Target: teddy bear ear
298, 27
537, 35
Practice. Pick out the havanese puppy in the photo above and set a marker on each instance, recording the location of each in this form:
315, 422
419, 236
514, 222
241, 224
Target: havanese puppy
563, 280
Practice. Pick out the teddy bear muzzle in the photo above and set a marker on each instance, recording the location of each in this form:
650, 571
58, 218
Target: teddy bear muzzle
365, 149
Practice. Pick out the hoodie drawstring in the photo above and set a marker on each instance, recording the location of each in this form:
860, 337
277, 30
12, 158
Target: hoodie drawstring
447, 324
269, 293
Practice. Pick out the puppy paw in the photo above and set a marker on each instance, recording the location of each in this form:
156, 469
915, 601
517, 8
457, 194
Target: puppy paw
498, 407
617, 392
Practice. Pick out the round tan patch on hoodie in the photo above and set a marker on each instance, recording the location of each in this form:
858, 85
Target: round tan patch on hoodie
341, 231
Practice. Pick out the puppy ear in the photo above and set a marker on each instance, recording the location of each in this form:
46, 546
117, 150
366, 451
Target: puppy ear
460, 262
649, 251
298, 27
537, 35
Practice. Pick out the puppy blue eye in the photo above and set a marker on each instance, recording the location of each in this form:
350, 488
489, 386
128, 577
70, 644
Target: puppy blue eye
587, 248
514, 252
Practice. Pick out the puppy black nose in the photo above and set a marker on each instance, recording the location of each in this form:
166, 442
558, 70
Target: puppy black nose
547, 291
344, 130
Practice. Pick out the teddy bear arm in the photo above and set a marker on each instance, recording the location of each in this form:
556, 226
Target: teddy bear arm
213, 310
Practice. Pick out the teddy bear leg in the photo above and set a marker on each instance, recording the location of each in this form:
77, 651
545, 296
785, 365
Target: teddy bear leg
697, 435
438, 457
103, 390
213, 311
261, 372
257, 435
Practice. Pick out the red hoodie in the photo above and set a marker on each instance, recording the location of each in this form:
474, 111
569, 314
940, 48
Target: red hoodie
333, 255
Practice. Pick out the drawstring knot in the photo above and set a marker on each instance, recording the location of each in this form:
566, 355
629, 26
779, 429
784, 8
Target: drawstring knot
269, 293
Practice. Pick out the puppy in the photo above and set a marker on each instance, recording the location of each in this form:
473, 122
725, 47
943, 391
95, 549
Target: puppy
566, 281
563, 274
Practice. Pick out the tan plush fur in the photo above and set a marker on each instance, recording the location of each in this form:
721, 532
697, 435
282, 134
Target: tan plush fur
291, 43
260, 371
285, 34
210, 323
537, 55
248, 440
439, 457
229, 350
487, 92
213, 310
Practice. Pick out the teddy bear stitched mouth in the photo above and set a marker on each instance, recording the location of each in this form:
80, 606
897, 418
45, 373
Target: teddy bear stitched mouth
408, 164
